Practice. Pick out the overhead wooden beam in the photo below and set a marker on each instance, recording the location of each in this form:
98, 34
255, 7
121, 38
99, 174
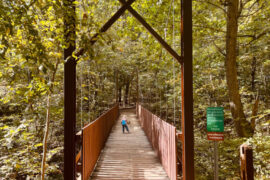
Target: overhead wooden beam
153, 32
113, 19
106, 26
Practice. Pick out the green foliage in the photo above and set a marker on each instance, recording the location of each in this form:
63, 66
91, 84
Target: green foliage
261, 145
31, 43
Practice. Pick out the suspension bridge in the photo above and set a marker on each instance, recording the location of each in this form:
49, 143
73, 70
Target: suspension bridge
153, 149
147, 152
128, 156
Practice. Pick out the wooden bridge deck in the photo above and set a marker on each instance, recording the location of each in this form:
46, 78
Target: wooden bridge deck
128, 156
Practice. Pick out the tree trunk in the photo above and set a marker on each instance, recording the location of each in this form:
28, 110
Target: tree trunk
137, 86
253, 73
129, 93
254, 113
243, 127
120, 94
126, 92
46, 136
45, 139
116, 85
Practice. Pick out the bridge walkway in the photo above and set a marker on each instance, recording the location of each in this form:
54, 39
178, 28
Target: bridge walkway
128, 156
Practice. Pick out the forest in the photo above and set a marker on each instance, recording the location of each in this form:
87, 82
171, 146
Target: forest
231, 69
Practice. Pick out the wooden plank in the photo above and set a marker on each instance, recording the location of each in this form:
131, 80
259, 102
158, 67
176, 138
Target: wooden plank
128, 156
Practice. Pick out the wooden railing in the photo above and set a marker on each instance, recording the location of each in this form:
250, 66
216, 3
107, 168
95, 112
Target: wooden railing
162, 136
94, 137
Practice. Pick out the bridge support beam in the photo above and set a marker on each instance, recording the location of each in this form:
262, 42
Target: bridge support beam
69, 90
187, 91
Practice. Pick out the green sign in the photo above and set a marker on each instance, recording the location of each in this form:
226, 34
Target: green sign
215, 119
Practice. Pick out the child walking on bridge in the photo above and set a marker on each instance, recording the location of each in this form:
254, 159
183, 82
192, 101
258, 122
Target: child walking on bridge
124, 124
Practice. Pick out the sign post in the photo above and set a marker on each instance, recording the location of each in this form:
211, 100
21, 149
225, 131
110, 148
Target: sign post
215, 129
216, 160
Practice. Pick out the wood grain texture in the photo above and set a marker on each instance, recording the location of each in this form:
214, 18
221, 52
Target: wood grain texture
128, 156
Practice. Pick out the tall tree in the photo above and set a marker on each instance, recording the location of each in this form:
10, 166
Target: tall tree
243, 127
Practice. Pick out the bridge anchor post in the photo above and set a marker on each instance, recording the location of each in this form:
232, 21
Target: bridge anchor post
187, 91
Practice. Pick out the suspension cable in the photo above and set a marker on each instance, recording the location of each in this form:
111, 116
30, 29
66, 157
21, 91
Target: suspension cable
140, 90
89, 91
165, 37
173, 44
160, 108
156, 85
81, 87
165, 34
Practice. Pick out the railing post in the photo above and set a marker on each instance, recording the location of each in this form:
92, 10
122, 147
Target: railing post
246, 162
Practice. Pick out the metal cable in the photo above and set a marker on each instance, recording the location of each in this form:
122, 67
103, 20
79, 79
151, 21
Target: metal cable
89, 92
165, 36
81, 95
173, 44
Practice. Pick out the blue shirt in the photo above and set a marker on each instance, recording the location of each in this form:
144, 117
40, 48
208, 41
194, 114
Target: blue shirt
123, 122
